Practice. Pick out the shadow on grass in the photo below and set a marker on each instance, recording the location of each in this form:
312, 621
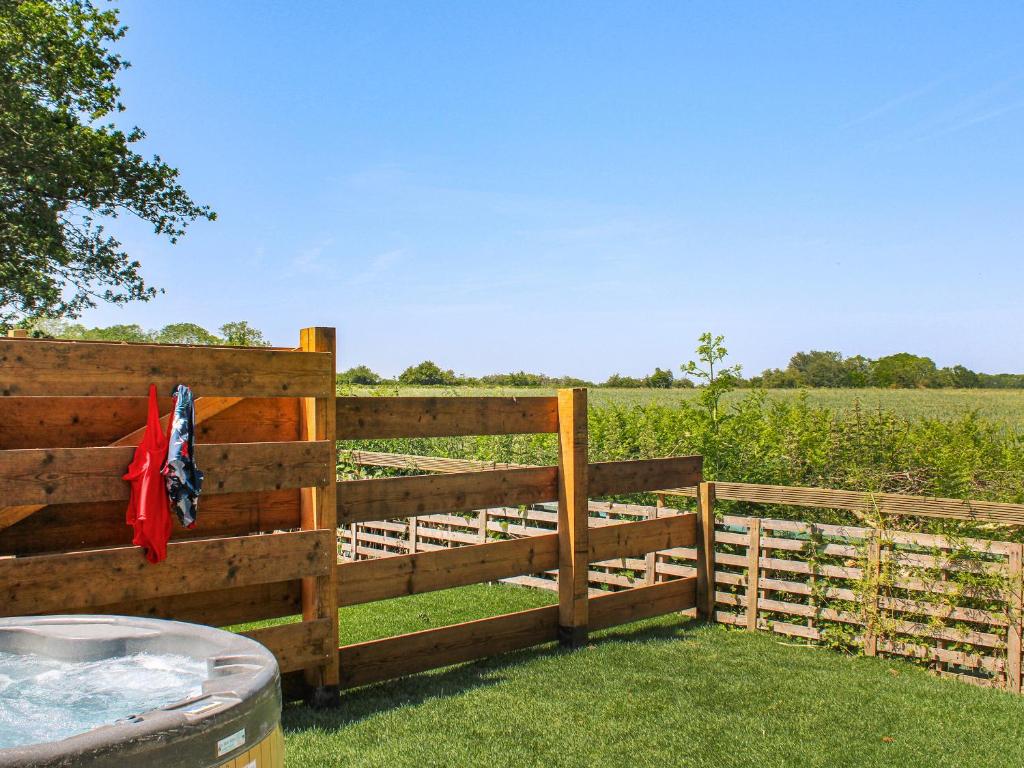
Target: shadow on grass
361, 703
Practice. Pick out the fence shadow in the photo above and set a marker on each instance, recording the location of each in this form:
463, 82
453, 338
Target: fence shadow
370, 700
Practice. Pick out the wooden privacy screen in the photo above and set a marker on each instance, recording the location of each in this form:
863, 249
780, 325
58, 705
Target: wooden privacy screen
70, 416
950, 602
372, 511
266, 545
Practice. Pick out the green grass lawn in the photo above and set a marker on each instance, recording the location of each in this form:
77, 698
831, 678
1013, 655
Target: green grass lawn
666, 692
1000, 405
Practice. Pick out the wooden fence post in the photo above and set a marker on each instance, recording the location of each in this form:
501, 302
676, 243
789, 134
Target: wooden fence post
874, 568
1015, 605
573, 518
753, 571
651, 559
319, 511
706, 551
482, 526
413, 525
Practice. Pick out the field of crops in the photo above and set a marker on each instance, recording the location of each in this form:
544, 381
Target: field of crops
996, 405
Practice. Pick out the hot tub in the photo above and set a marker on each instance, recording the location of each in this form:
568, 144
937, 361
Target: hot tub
99, 691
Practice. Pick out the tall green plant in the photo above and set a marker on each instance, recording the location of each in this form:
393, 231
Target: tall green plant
711, 352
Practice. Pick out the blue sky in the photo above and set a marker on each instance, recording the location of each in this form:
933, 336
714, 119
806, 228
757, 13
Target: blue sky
584, 187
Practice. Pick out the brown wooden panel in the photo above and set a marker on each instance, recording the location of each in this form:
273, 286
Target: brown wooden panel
56, 583
613, 477
608, 542
366, 580
82, 422
297, 645
63, 527
385, 498
377, 660
370, 418
30, 367
67, 475
868, 503
218, 607
638, 603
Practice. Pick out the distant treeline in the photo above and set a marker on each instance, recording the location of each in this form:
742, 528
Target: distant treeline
805, 369
239, 334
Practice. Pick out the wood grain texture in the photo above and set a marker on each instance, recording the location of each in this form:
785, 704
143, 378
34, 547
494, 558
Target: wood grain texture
376, 660
300, 645
573, 517
31, 367
390, 497
66, 527
38, 476
382, 578
613, 608
56, 583
638, 538
371, 418
615, 477
706, 555
868, 503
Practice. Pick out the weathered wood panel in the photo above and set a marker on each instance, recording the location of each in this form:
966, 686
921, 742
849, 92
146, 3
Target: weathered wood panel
71, 475
385, 498
638, 603
382, 578
370, 418
30, 367
298, 645
614, 477
64, 527
377, 660
631, 539
868, 503
56, 583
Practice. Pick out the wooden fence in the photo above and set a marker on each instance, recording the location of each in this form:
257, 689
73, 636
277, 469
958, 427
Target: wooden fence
70, 414
951, 603
266, 543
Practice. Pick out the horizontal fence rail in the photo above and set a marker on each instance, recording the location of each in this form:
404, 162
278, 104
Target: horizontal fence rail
61, 475
31, 367
372, 418
866, 503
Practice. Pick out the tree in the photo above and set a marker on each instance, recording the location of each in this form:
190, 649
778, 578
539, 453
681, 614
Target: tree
660, 379
427, 373
618, 381
711, 352
360, 374
65, 167
904, 370
241, 334
185, 333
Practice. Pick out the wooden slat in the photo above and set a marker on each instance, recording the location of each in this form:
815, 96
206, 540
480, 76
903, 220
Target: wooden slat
298, 645
70, 527
869, 503
373, 418
32, 367
218, 607
614, 608
40, 476
390, 497
368, 580
55, 583
638, 538
377, 660
608, 478
423, 463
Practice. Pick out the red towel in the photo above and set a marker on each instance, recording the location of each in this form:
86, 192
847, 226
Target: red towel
149, 509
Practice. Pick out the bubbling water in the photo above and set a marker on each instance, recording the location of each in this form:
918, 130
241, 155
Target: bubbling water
44, 699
